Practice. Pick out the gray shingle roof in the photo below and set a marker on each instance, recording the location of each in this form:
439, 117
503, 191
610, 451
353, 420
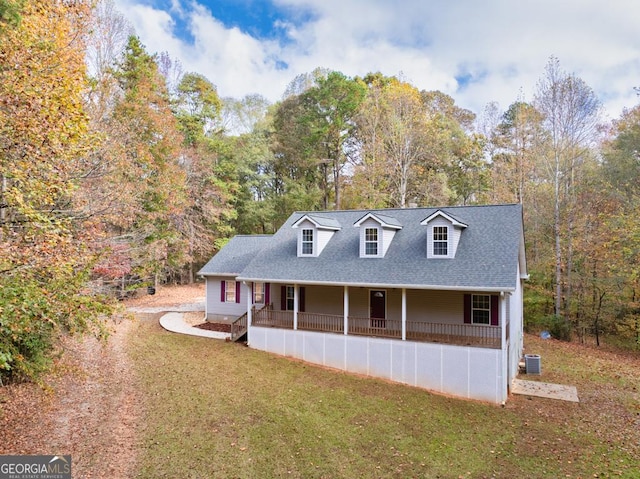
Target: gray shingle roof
487, 255
322, 221
235, 255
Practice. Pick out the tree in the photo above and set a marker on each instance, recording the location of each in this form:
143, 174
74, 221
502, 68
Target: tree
328, 113
571, 116
515, 141
148, 152
44, 140
211, 172
621, 182
242, 116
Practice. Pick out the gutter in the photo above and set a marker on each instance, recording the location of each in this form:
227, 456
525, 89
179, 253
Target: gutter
495, 289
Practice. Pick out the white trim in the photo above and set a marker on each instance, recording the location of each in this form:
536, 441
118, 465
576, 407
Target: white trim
378, 220
312, 242
218, 275
450, 219
315, 223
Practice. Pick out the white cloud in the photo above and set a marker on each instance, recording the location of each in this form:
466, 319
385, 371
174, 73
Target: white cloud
500, 46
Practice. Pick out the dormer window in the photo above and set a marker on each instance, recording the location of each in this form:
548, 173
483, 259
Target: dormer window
314, 233
443, 235
376, 233
440, 241
371, 241
307, 242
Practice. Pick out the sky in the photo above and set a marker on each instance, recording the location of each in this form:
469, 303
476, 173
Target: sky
477, 51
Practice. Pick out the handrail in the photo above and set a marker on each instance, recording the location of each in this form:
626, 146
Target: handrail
239, 327
449, 333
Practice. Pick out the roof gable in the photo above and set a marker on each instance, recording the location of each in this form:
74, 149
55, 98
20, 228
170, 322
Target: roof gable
444, 215
384, 220
320, 222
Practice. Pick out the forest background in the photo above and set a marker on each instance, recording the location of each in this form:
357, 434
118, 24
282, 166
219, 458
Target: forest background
118, 170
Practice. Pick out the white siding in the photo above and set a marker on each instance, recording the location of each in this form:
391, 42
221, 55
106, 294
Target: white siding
216, 309
473, 373
516, 323
323, 237
387, 238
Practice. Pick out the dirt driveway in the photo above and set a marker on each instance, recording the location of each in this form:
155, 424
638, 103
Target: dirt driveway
89, 407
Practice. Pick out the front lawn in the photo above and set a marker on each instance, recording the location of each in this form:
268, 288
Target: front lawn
220, 410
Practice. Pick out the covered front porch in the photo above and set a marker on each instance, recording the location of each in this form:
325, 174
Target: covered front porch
394, 313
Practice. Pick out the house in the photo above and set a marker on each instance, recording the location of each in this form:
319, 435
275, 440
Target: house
430, 297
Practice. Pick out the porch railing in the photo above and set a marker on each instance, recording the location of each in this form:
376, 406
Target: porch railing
321, 322
458, 334
239, 327
267, 317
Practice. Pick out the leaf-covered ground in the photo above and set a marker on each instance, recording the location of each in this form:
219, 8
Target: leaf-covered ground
89, 406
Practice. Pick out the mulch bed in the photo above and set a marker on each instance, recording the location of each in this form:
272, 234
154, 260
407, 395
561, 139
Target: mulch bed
223, 328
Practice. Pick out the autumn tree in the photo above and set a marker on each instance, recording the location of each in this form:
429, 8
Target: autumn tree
570, 111
621, 178
369, 185
211, 172
515, 141
44, 141
148, 173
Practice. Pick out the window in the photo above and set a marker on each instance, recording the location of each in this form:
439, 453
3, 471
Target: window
371, 241
481, 309
258, 293
440, 241
230, 291
290, 291
307, 241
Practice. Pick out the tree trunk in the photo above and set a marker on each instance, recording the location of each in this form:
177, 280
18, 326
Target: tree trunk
556, 232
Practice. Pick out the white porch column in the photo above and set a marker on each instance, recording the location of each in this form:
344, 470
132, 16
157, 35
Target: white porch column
249, 304
404, 314
295, 306
346, 309
502, 320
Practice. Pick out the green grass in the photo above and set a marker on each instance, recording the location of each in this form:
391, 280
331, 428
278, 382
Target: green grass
221, 410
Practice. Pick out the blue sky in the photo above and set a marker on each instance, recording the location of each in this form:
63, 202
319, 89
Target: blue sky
475, 51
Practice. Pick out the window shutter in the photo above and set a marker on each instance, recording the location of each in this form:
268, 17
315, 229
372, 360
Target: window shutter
494, 311
223, 290
301, 299
253, 293
237, 291
267, 293
283, 298
467, 308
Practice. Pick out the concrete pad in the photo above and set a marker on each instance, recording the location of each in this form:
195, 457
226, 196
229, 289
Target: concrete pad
174, 322
545, 390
